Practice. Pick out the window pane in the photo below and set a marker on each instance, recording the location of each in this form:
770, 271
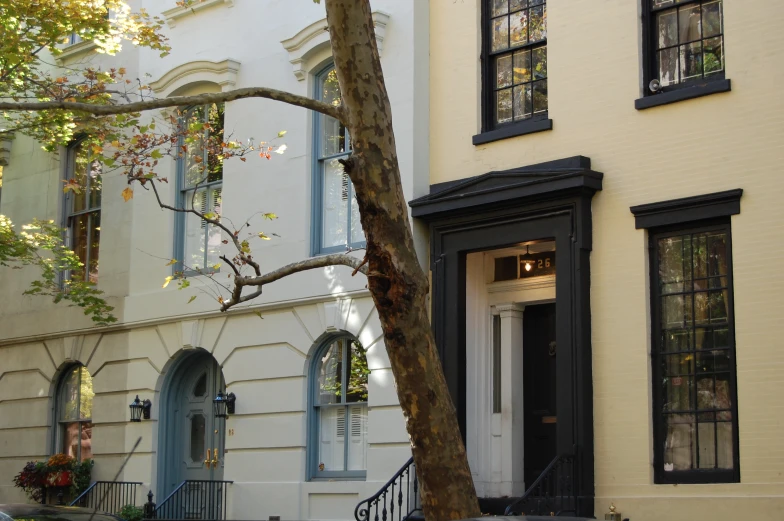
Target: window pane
334, 205
522, 67
668, 66
69, 395
193, 253
330, 374
71, 439
95, 239
86, 441
216, 118
538, 30
332, 438
86, 394
724, 445
500, 34
193, 161
504, 71
357, 234
689, 24
514, 5
540, 96
214, 237
691, 60
680, 443
667, 27
198, 438
200, 389
95, 182
711, 18
79, 174
522, 101
80, 230
357, 371
504, 106
357, 444
539, 58
518, 28
499, 7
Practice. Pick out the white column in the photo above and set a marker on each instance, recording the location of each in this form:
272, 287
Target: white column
512, 440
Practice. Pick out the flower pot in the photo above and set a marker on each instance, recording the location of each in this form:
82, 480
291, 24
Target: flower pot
62, 478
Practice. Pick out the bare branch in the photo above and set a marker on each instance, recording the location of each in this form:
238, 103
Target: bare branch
336, 259
335, 111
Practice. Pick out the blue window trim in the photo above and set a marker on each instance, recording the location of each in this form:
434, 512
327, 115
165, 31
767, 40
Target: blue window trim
313, 415
317, 167
179, 218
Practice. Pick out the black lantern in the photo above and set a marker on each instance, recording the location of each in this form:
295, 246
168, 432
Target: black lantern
527, 260
224, 405
140, 409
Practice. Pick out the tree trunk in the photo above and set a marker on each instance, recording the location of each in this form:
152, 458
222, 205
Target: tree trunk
397, 283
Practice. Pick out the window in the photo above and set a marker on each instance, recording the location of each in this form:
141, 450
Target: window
83, 210
693, 356
200, 186
73, 413
339, 410
336, 215
514, 63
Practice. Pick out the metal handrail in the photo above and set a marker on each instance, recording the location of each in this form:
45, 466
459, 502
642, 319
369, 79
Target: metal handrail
207, 502
387, 492
109, 496
549, 493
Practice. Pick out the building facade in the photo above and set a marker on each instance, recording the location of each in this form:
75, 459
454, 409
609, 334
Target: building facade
601, 236
316, 425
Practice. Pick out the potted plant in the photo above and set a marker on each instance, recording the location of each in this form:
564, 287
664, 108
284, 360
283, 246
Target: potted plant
59, 471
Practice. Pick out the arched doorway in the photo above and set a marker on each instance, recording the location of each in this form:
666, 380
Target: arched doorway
192, 439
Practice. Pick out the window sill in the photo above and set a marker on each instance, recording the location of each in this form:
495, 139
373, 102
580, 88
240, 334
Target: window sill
695, 91
520, 128
74, 50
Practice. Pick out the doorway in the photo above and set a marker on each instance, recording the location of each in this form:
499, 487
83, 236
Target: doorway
192, 438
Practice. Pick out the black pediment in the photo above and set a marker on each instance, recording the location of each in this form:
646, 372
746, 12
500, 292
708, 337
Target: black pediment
509, 187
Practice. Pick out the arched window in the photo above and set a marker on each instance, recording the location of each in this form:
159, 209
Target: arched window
74, 412
339, 410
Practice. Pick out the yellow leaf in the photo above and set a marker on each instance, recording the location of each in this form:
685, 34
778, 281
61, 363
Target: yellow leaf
258, 314
116, 144
167, 280
127, 194
216, 267
171, 262
220, 300
281, 133
262, 236
97, 149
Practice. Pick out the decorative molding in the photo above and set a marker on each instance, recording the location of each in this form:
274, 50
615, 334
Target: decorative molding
546, 281
687, 209
192, 331
175, 13
74, 50
5, 148
223, 73
315, 37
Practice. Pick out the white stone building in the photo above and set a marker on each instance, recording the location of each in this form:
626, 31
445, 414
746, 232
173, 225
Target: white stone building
284, 453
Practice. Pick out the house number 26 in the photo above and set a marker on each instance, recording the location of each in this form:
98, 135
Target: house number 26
543, 263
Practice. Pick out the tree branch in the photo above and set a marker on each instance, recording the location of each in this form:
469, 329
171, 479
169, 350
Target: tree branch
335, 259
335, 111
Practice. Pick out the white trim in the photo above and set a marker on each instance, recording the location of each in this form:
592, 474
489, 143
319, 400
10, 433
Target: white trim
77, 49
175, 13
310, 41
223, 73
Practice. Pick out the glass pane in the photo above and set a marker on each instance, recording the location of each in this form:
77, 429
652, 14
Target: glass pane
69, 395
358, 372
680, 443
671, 264
522, 102
691, 60
540, 96
214, 236
193, 161
332, 438
724, 444
330, 374
677, 340
500, 34
676, 311
215, 117
689, 24
200, 389
330, 88
357, 444
538, 30
667, 26
707, 443
503, 66
95, 240
535, 2
79, 174
357, 234
95, 182
504, 106
711, 19
86, 394
514, 5
80, 230
71, 439
86, 441
193, 255
198, 438
678, 393
500, 7
522, 67
335, 204
539, 58
518, 28
668, 66
334, 137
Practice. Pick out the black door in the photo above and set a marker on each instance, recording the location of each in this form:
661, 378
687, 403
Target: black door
539, 353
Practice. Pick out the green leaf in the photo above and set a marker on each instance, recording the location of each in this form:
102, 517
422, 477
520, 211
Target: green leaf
281, 133
156, 154
191, 299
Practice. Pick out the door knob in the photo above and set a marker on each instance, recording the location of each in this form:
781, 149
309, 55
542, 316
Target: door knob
207, 461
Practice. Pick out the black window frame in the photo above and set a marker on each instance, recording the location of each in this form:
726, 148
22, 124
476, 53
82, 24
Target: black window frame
490, 130
694, 476
683, 90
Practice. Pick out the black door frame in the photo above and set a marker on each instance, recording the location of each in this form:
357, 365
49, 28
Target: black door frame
549, 201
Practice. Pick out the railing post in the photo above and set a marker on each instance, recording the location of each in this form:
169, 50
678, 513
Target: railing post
149, 507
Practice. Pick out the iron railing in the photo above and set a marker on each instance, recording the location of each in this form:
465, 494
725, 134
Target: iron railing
398, 499
195, 499
553, 493
107, 496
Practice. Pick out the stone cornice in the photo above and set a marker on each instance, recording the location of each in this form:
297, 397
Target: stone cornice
223, 73
174, 14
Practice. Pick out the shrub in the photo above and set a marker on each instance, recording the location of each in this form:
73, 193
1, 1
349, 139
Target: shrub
131, 513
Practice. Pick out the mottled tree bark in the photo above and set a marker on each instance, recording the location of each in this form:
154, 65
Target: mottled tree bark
396, 281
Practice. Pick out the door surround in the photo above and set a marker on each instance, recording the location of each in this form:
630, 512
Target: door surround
548, 201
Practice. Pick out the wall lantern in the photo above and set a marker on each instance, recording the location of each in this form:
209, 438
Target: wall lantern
224, 405
140, 409
527, 260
